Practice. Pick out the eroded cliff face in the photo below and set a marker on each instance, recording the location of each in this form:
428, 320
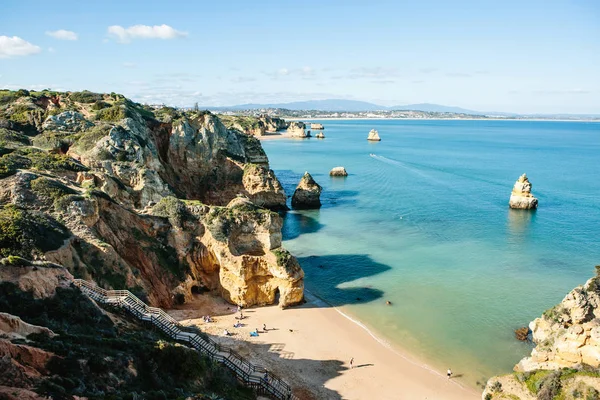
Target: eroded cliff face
95, 194
568, 335
256, 126
566, 358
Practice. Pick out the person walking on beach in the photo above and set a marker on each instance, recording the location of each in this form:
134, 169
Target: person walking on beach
449, 373
265, 327
352, 363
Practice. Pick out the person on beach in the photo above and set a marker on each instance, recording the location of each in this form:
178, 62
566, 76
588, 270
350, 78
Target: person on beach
449, 373
226, 332
265, 327
352, 363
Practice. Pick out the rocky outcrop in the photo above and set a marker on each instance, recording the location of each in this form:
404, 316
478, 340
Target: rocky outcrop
39, 279
14, 327
521, 196
320, 135
307, 194
297, 129
147, 200
568, 335
242, 249
567, 339
22, 365
256, 126
373, 136
338, 171
317, 126
273, 124
71, 121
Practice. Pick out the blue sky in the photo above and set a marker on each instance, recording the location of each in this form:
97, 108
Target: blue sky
519, 56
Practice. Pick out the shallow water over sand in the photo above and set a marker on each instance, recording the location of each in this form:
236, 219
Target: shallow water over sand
423, 221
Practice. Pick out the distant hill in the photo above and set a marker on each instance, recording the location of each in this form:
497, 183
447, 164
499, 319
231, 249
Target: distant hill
348, 105
428, 107
319, 105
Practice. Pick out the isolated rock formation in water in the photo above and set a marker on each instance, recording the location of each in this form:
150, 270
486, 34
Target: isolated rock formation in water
307, 193
338, 171
297, 129
521, 196
317, 126
320, 135
373, 136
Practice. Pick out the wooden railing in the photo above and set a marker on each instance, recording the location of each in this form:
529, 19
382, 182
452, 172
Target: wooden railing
258, 378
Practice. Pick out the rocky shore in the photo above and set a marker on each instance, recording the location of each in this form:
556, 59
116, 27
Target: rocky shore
566, 357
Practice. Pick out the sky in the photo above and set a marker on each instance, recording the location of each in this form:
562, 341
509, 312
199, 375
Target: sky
534, 56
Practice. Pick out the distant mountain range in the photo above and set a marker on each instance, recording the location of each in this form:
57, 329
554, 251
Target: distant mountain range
349, 105
340, 105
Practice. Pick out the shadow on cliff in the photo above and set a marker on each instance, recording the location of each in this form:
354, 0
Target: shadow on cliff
330, 276
306, 377
296, 223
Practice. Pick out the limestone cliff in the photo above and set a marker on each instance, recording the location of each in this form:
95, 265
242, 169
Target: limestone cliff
122, 194
521, 196
257, 126
566, 357
307, 193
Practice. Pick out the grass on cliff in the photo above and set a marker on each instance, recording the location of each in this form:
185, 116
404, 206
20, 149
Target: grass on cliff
100, 359
27, 157
25, 233
553, 384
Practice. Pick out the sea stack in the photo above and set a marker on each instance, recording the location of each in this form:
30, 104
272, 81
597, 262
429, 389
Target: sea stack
296, 129
317, 126
320, 135
374, 136
307, 194
338, 171
521, 196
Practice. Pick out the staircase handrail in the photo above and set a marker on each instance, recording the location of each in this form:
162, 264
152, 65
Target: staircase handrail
270, 383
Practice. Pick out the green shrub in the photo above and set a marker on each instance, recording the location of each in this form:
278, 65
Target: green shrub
50, 188
99, 105
55, 141
112, 114
10, 136
85, 97
25, 233
550, 386
89, 138
42, 160
172, 208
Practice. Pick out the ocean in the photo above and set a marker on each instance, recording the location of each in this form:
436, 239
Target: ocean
422, 221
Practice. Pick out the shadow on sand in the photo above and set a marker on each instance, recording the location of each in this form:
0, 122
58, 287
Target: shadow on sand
307, 377
330, 274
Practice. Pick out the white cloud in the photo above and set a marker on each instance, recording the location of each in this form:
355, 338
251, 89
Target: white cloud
128, 64
15, 47
125, 35
283, 71
62, 34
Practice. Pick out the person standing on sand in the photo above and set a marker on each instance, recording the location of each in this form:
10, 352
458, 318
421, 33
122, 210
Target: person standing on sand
352, 363
449, 373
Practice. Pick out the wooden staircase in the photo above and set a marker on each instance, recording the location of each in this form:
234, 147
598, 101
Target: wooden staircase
263, 382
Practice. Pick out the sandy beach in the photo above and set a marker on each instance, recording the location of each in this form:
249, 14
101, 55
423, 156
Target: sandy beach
310, 346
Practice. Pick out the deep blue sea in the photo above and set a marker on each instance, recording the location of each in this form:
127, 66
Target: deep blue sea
423, 221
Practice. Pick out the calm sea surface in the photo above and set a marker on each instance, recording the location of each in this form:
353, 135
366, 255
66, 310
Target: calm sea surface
423, 221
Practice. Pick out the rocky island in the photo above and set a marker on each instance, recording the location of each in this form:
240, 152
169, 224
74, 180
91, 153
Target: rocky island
373, 136
338, 171
521, 196
307, 193
297, 129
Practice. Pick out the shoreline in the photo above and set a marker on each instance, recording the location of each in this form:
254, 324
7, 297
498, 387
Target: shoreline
437, 119
319, 369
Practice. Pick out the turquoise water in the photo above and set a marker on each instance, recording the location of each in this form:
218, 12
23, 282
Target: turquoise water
423, 221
